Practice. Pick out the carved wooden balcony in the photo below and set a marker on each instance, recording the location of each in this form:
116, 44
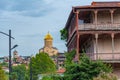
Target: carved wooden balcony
106, 57
99, 26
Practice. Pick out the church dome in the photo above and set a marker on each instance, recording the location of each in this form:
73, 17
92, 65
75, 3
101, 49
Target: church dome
48, 37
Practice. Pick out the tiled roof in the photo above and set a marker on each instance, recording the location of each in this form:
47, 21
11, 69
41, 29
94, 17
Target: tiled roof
113, 3
62, 70
100, 5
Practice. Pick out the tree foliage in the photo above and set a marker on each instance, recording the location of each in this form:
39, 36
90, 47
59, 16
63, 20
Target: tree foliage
42, 64
2, 74
4, 64
104, 76
19, 72
69, 57
86, 69
54, 77
64, 34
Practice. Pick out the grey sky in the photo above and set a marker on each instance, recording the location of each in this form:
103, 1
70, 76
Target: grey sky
30, 20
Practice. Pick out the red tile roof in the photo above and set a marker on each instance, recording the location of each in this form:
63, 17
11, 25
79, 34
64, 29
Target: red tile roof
100, 5
62, 70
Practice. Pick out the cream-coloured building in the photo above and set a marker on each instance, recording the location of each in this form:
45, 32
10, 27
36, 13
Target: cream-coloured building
48, 46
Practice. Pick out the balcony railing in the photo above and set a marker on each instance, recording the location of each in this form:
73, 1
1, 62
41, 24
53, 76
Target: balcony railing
99, 27
104, 56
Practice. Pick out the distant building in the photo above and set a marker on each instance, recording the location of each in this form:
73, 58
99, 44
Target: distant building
60, 60
17, 59
2, 59
15, 54
48, 46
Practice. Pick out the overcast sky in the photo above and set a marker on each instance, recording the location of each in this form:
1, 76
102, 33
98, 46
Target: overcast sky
30, 21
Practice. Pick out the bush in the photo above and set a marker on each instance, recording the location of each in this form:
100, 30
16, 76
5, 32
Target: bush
54, 77
104, 76
47, 78
86, 69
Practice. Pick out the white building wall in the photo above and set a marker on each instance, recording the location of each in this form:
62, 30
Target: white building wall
105, 46
117, 45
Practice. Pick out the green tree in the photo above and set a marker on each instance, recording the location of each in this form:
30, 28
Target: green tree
64, 34
69, 57
19, 72
14, 76
2, 74
4, 64
86, 69
104, 76
42, 64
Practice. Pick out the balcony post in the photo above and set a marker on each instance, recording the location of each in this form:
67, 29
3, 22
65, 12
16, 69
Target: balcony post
96, 42
77, 35
96, 12
77, 32
111, 12
112, 36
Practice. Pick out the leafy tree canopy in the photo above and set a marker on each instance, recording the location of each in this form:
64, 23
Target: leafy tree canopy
2, 74
104, 76
64, 34
42, 64
69, 57
4, 64
19, 72
86, 69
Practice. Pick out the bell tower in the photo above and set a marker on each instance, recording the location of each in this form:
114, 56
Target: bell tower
48, 46
48, 40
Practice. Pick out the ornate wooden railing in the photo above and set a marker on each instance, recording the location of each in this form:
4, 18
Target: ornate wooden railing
99, 26
104, 56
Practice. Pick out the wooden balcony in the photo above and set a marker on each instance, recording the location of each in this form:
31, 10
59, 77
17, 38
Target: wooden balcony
106, 57
99, 26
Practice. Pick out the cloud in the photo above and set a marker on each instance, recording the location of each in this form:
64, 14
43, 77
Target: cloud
32, 35
31, 8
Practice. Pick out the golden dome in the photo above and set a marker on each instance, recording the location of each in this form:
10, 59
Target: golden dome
48, 37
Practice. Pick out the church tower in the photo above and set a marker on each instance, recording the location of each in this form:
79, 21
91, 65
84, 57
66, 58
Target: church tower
48, 41
48, 46
15, 54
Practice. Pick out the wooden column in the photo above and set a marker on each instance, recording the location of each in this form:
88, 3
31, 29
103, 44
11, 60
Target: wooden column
96, 42
112, 36
111, 12
95, 11
77, 47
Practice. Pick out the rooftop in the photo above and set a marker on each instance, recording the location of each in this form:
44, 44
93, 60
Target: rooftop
101, 4
94, 5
